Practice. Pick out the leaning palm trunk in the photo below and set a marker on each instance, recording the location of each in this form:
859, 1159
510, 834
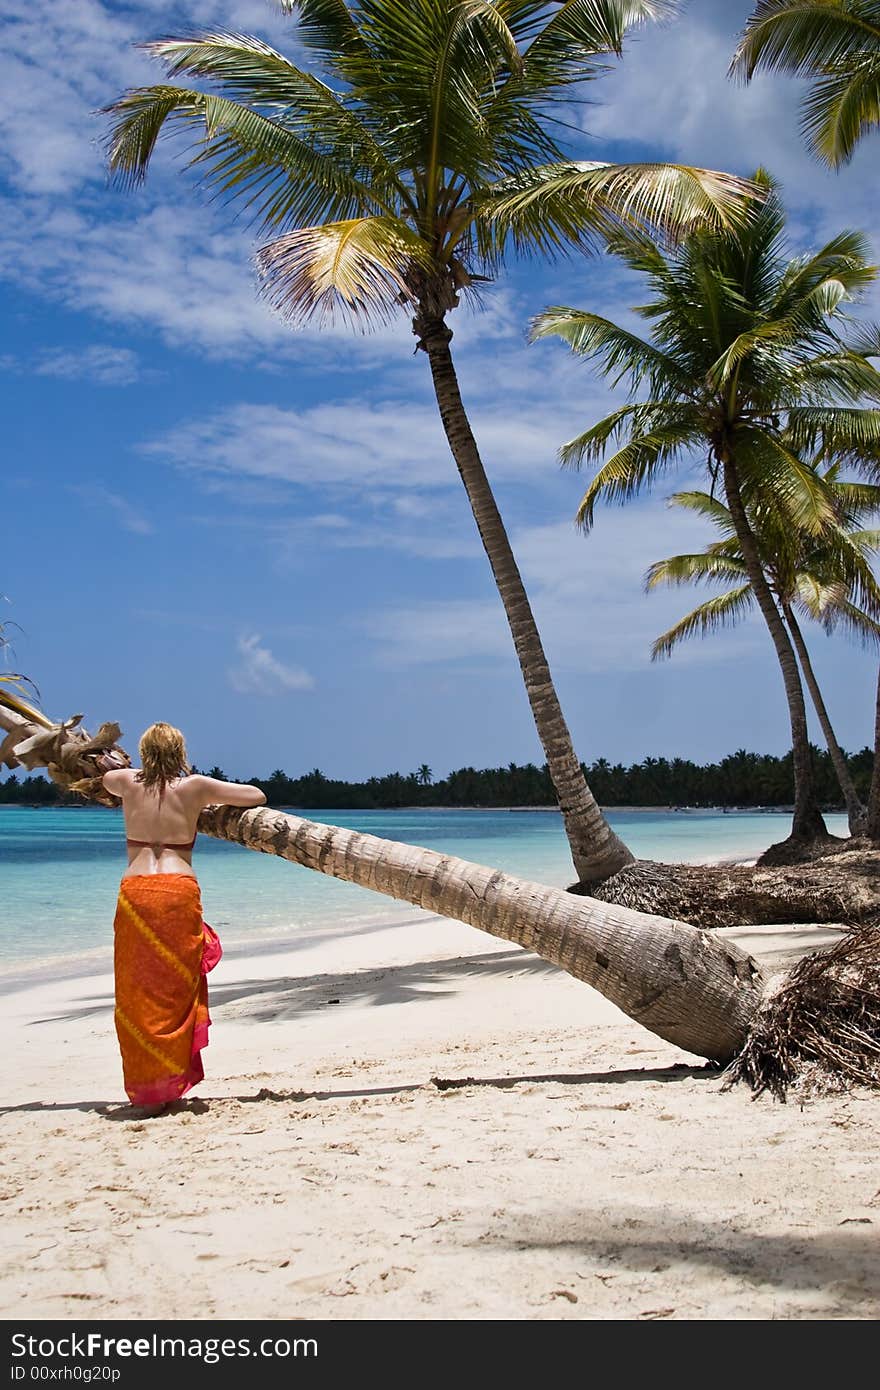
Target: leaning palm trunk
855, 811
807, 822
695, 990
686, 985
596, 851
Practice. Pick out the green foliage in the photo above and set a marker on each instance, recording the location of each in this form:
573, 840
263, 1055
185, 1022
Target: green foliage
741, 779
828, 578
748, 359
834, 42
424, 144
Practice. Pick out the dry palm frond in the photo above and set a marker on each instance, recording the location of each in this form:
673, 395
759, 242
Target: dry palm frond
358, 269
822, 1027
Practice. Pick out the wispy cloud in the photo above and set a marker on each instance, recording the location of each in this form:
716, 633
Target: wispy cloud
129, 517
259, 672
104, 366
588, 598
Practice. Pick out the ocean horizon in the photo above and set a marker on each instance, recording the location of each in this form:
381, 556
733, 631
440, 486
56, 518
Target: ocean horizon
61, 868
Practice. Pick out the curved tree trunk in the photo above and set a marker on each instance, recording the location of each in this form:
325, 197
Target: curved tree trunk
855, 811
596, 850
807, 822
873, 825
694, 989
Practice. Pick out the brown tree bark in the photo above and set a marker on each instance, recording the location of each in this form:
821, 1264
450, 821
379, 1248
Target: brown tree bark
807, 822
695, 990
855, 811
596, 850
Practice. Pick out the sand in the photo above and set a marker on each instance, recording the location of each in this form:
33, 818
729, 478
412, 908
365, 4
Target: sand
419, 1122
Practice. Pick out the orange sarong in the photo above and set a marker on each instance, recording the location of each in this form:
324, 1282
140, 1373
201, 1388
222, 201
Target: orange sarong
162, 954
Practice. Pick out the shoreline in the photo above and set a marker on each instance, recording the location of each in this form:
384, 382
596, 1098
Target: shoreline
18, 976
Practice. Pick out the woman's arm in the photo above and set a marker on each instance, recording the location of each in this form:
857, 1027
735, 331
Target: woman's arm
212, 792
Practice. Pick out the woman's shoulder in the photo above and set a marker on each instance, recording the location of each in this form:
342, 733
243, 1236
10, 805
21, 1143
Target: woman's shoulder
119, 777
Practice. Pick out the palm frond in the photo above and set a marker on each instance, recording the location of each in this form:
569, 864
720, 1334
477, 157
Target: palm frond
805, 37
359, 269
699, 567
633, 468
242, 152
843, 106
703, 504
623, 354
725, 610
580, 203
768, 465
252, 73
833, 431
836, 42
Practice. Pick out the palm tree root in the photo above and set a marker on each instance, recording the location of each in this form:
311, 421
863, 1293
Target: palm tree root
801, 849
839, 887
820, 1030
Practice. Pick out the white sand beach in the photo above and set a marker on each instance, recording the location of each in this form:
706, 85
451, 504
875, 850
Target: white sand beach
420, 1122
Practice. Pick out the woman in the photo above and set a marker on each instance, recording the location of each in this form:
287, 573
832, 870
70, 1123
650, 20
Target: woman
162, 948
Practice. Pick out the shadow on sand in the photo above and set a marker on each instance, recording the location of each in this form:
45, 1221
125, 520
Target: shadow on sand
644, 1240
291, 996
115, 1110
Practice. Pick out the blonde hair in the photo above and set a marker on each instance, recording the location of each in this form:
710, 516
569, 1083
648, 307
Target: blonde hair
163, 756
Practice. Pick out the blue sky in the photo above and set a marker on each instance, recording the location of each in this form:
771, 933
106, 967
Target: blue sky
258, 534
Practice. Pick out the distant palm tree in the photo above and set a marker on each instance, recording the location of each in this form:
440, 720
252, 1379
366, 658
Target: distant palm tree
837, 42
401, 182
746, 366
825, 577
425, 775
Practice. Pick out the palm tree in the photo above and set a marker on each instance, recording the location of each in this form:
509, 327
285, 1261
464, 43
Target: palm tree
398, 180
836, 42
747, 366
425, 775
694, 988
821, 577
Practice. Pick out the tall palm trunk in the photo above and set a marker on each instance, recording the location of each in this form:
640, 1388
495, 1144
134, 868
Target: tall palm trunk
690, 987
807, 822
596, 850
855, 811
873, 823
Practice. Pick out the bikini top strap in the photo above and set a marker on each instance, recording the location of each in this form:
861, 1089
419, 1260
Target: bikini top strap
161, 844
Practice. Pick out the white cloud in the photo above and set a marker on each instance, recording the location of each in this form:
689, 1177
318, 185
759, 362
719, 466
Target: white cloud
587, 596
392, 445
259, 672
105, 366
62, 63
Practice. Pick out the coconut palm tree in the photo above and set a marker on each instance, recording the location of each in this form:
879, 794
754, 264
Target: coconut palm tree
835, 42
824, 578
696, 989
747, 366
394, 178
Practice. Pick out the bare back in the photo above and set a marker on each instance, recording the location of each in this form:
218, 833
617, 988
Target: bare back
161, 830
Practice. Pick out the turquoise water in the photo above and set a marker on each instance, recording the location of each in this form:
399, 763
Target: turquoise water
60, 870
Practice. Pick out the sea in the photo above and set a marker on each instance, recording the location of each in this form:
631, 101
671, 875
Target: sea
60, 869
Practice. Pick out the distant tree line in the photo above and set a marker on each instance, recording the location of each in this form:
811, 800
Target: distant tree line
741, 779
